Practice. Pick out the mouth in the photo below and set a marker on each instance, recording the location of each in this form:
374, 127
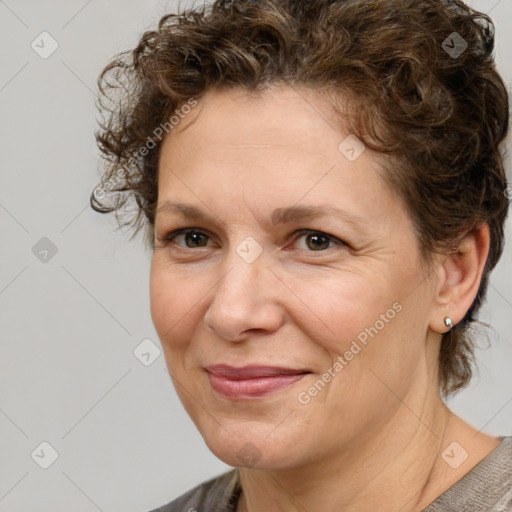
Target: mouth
249, 382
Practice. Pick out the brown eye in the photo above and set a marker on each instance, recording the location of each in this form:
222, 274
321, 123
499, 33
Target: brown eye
191, 237
195, 239
316, 241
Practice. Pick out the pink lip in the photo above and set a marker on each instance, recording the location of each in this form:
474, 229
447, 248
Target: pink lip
251, 381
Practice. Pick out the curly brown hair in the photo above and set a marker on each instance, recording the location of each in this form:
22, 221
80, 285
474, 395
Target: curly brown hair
418, 81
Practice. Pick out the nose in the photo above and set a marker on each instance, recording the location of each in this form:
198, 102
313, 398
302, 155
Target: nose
245, 300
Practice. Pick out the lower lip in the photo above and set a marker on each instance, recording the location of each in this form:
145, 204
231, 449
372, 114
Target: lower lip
251, 388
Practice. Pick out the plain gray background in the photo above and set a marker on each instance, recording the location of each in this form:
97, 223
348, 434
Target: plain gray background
69, 325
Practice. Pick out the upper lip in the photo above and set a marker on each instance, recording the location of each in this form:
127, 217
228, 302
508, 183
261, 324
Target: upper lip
251, 372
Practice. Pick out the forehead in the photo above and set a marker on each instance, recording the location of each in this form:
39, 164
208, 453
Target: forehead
278, 115
280, 147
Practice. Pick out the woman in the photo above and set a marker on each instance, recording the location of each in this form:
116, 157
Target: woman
323, 189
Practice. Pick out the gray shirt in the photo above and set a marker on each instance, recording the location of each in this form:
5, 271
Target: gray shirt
486, 488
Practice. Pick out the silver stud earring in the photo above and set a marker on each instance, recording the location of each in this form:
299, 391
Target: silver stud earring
448, 322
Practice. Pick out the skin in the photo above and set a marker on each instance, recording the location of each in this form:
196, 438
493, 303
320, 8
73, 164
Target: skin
372, 438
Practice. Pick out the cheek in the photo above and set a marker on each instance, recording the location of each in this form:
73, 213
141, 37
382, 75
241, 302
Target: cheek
334, 310
367, 322
174, 303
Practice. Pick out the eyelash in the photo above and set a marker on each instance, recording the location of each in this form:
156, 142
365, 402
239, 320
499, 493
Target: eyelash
297, 234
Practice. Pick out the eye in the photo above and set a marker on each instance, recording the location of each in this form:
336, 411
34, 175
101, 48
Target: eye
192, 238
316, 241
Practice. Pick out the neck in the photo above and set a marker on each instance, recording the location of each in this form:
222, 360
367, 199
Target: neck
398, 467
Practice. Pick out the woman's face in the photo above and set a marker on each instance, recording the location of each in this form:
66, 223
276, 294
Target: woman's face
289, 336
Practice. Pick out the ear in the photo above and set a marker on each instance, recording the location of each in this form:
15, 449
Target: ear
459, 277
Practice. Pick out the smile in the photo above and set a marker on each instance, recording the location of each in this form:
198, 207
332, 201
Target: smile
251, 382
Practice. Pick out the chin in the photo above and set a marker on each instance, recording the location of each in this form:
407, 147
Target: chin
252, 449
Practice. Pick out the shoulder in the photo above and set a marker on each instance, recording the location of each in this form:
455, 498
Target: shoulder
215, 495
486, 488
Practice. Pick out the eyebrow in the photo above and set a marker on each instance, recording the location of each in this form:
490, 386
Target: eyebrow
279, 215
